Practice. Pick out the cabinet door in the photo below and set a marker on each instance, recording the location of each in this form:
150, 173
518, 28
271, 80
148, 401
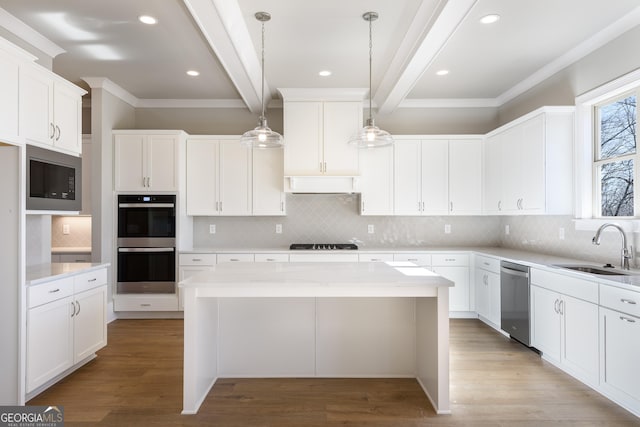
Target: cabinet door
481, 283
545, 322
434, 177
235, 178
202, 177
580, 337
511, 168
90, 323
162, 164
9, 102
459, 294
376, 181
465, 177
36, 106
303, 138
129, 173
533, 165
406, 177
620, 352
341, 121
493, 280
49, 341
268, 197
492, 194
67, 107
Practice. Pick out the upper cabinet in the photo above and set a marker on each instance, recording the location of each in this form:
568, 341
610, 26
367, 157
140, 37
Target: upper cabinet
146, 161
376, 181
50, 110
465, 176
268, 194
528, 164
9, 78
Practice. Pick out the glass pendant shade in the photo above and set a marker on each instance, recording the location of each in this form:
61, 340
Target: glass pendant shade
371, 136
262, 137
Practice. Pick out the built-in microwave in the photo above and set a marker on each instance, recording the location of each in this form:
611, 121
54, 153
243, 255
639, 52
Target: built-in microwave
54, 180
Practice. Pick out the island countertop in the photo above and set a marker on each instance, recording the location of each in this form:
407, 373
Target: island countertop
317, 279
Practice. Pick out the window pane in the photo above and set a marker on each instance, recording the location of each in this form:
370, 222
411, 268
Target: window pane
616, 180
618, 128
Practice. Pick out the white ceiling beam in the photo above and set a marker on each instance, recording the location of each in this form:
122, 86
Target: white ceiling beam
224, 28
426, 37
28, 34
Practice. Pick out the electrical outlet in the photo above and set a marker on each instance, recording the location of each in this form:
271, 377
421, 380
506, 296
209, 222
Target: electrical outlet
212, 229
506, 229
561, 233
370, 229
279, 228
447, 229
65, 229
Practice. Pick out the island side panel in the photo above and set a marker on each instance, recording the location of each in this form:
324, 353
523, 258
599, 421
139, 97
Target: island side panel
432, 348
200, 348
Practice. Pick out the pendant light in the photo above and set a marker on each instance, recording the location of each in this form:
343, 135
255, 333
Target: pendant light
262, 136
371, 136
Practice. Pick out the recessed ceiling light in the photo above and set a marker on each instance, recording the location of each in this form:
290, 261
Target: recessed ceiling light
193, 73
147, 19
442, 72
490, 19
324, 73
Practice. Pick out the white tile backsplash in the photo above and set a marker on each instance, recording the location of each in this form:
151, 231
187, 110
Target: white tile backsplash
79, 231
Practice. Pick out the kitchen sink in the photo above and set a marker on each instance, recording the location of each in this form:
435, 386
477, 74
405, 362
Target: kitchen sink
610, 271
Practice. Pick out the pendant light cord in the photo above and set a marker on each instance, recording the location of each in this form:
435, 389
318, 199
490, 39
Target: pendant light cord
262, 82
370, 67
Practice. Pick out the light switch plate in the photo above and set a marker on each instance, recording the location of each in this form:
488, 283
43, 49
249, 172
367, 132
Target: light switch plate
447, 229
279, 228
212, 229
370, 229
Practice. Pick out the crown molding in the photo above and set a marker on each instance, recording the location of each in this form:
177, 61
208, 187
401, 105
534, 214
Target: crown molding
450, 103
112, 88
191, 103
28, 34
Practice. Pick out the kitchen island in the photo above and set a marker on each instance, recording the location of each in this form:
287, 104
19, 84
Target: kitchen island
316, 319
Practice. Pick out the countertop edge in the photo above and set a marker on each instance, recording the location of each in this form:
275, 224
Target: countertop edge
43, 273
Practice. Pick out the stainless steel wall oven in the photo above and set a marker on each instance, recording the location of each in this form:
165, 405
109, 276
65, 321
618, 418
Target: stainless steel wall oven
146, 244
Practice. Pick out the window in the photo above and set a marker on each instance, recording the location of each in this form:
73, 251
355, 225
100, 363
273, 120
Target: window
616, 158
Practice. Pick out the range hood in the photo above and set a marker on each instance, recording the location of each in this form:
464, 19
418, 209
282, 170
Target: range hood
329, 184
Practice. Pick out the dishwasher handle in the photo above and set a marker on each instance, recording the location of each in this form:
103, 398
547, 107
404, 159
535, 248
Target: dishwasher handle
513, 272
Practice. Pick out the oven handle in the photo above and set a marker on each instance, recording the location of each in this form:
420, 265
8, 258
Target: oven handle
146, 249
146, 205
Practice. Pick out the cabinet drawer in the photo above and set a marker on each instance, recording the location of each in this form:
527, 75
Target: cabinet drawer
49, 291
486, 263
323, 257
620, 299
90, 280
272, 257
146, 302
419, 259
567, 285
197, 259
375, 257
450, 259
235, 258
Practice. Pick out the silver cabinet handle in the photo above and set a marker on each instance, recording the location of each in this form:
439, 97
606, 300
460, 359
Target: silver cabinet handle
53, 131
375, 260
325, 166
561, 306
486, 263
419, 208
321, 167
449, 259
78, 304
412, 259
74, 309
220, 205
281, 206
499, 205
422, 206
54, 291
233, 259
363, 206
92, 280
271, 259
628, 301
627, 319
145, 305
217, 204
451, 206
196, 259
149, 181
555, 306
59, 133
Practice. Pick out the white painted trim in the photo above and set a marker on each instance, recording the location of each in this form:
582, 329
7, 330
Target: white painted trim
112, 88
596, 41
569, 109
450, 103
14, 50
628, 225
28, 34
323, 94
190, 103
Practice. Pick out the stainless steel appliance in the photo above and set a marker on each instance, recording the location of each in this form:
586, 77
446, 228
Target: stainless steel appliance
53, 180
323, 246
514, 301
146, 244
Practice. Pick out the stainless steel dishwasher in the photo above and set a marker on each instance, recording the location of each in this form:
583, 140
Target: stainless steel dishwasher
514, 301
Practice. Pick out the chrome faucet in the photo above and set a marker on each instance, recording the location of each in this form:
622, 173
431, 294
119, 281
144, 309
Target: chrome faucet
627, 253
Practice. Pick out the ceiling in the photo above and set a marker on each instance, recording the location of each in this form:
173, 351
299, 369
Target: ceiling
488, 64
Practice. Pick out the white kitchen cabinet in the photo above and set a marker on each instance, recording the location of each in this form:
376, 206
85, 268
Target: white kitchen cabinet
316, 135
376, 181
235, 257
375, 257
487, 290
268, 196
9, 99
218, 177
145, 161
564, 322
66, 324
528, 164
50, 110
191, 264
267, 257
465, 177
455, 267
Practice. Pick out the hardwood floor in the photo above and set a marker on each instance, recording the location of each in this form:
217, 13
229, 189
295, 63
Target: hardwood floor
137, 381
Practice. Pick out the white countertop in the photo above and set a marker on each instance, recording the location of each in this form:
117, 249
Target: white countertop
317, 279
41, 273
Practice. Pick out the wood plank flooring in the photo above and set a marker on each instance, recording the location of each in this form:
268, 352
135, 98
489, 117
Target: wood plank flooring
137, 381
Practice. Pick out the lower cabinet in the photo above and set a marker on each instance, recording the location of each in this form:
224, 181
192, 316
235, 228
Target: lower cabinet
66, 323
487, 287
455, 267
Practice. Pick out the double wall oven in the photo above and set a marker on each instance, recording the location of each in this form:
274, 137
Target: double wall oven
146, 244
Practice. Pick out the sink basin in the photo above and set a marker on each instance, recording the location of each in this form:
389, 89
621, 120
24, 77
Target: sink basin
595, 270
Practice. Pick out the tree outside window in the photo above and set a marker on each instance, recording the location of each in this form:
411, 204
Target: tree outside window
615, 154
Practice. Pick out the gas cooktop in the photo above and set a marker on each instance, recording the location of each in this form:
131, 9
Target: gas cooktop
323, 246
